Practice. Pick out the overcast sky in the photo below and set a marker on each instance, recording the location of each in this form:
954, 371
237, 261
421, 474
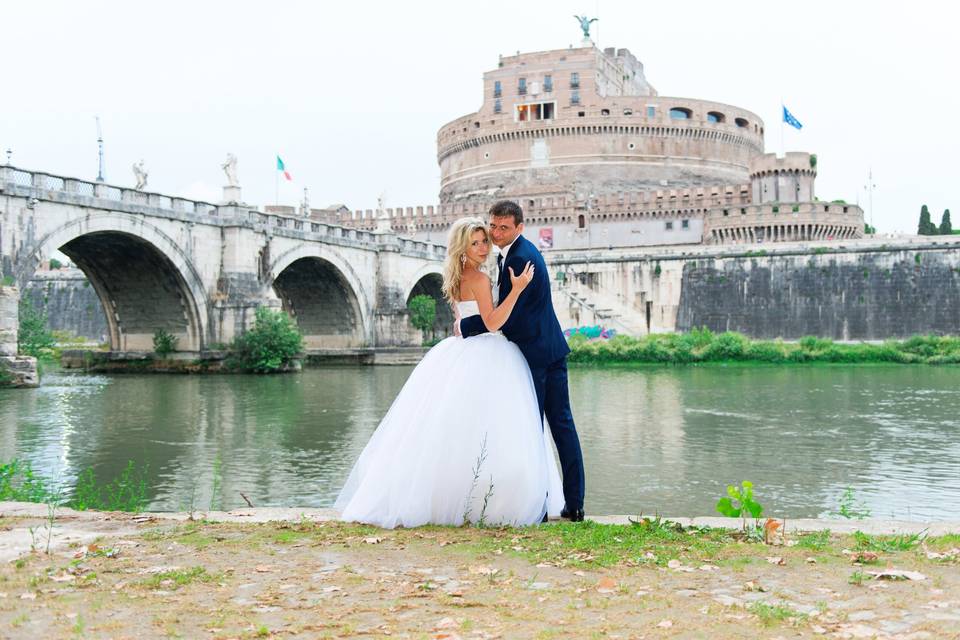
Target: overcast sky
351, 94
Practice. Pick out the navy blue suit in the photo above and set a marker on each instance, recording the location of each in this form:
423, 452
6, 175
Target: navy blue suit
534, 328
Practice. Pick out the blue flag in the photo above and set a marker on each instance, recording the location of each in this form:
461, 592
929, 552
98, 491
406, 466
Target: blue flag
790, 120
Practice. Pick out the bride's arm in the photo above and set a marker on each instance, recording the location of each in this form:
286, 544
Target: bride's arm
495, 317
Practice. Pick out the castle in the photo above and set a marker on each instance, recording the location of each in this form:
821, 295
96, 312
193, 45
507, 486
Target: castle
598, 159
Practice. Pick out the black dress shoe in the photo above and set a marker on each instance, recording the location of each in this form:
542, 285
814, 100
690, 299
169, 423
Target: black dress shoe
573, 515
546, 518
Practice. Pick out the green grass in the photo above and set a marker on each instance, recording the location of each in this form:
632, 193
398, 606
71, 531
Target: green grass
591, 544
886, 544
702, 346
180, 578
773, 614
817, 541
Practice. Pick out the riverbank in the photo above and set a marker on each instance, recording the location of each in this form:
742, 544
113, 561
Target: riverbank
705, 347
302, 574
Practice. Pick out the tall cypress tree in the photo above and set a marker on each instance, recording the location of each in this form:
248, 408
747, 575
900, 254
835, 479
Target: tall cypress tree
946, 228
923, 228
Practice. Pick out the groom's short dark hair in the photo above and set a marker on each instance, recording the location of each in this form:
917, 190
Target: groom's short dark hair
506, 208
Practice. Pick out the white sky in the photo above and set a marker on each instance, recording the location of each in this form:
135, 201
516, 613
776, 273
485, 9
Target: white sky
351, 94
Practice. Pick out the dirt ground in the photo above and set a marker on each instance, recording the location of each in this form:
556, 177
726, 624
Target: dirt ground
123, 576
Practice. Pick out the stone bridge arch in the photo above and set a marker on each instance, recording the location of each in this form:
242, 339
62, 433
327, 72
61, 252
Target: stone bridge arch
429, 281
144, 279
322, 292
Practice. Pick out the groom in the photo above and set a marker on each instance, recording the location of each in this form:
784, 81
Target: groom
533, 327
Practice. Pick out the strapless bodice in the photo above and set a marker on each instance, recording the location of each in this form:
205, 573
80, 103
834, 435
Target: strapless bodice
468, 308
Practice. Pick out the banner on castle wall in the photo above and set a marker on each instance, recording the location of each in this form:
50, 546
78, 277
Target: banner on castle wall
546, 238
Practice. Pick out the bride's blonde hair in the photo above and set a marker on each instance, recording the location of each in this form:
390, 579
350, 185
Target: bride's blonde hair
457, 243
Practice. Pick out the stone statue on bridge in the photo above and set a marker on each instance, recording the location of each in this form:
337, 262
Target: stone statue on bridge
230, 168
140, 174
585, 25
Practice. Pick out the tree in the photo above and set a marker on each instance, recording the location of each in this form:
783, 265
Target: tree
926, 226
423, 312
55, 264
946, 228
868, 230
33, 336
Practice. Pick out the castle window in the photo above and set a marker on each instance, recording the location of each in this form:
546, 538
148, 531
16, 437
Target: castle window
574, 97
581, 114
685, 224
581, 221
716, 116
726, 212
669, 225
741, 122
679, 113
651, 111
535, 111
604, 112
497, 106
548, 83
496, 89
574, 80
522, 86
628, 112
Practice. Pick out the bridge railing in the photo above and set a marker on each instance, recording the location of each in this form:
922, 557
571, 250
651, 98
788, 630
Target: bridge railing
47, 182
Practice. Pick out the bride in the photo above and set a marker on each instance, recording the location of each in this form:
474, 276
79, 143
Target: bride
463, 441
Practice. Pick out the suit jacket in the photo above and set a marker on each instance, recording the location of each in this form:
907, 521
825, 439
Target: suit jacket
532, 326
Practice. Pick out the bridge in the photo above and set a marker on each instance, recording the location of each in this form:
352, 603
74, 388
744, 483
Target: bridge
199, 270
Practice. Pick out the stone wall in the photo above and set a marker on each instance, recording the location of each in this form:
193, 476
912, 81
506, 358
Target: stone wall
861, 289
845, 296
70, 301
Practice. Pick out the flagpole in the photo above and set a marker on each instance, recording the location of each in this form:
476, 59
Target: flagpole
276, 185
782, 150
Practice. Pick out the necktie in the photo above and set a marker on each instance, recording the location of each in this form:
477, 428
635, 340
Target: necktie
499, 266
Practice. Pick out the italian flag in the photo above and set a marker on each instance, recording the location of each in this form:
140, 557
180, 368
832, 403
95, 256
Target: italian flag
282, 167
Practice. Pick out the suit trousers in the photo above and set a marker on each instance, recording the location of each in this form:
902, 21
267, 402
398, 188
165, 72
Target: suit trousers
553, 395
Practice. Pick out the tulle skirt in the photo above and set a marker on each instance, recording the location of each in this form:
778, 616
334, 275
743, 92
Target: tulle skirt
462, 443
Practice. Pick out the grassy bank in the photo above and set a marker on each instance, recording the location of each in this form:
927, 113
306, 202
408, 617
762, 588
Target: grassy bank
704, 346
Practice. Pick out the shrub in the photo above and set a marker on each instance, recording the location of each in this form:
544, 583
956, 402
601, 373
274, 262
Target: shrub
727, 346
272, 343
164, 343
423, 313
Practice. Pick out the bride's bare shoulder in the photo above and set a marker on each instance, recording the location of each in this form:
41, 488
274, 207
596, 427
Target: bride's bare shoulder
475, 277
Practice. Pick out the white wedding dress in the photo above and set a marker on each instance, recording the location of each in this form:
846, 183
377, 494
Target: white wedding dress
462, 442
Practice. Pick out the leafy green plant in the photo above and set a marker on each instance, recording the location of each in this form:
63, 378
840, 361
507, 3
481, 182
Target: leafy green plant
18, 483
7, 281
850, 507
164, 343
272, 343
55, 264
423, 313
739, 502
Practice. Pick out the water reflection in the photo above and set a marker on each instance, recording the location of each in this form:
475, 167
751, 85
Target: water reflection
664, 440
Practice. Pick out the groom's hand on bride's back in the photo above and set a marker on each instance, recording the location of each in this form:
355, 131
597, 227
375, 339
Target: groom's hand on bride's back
521, 281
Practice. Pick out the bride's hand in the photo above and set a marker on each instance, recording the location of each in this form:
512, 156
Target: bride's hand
520, 282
